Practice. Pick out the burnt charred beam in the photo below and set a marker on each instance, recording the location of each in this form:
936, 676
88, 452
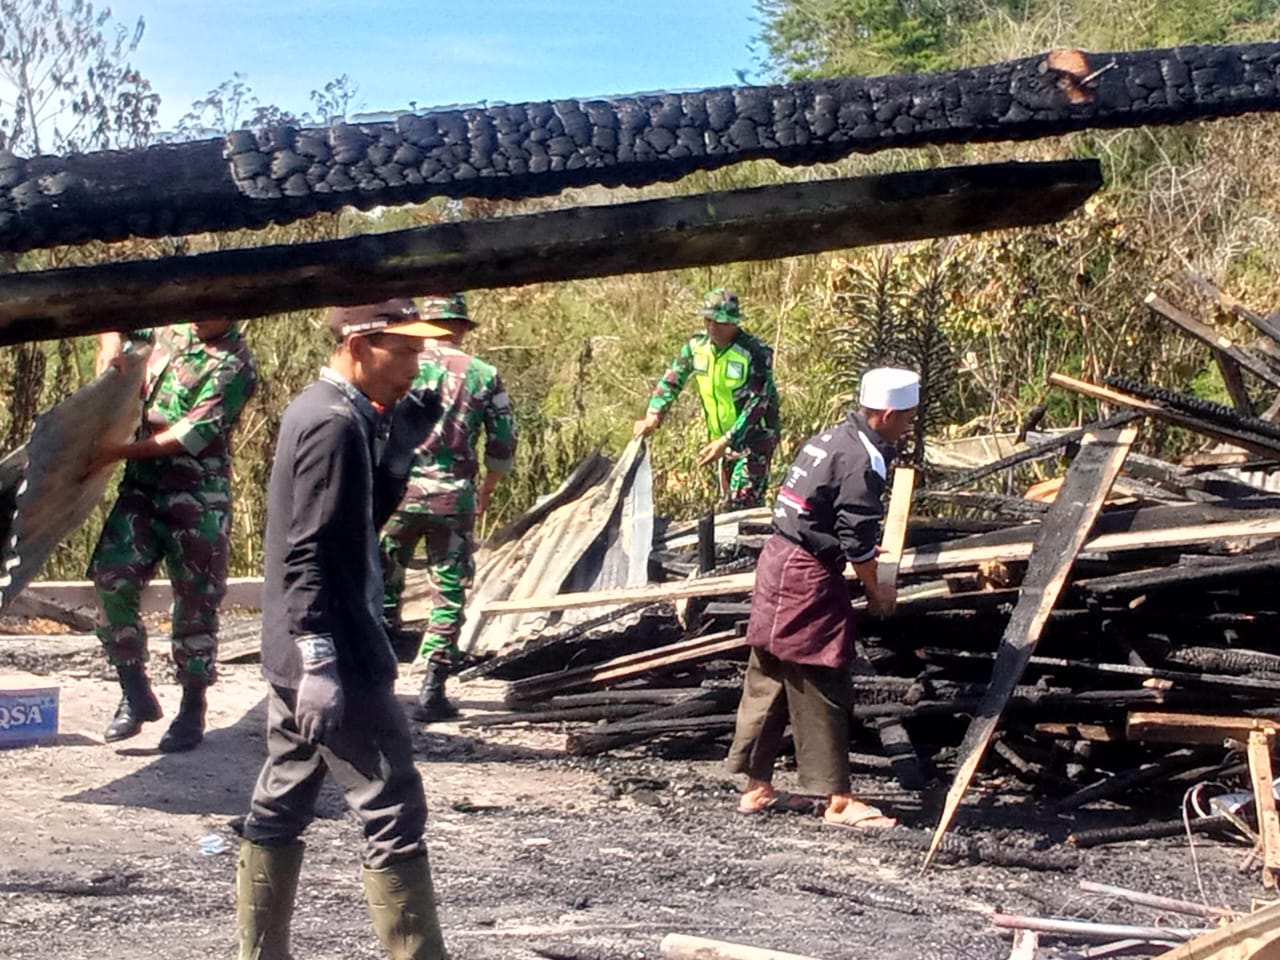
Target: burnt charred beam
726, 226
562, 715
522, 150
869, 895
591, 742
1233, 571
956, 848
1199, 407
1225, 660
907, 765
1082, 701
1128, 779
1240, 684
1147, 831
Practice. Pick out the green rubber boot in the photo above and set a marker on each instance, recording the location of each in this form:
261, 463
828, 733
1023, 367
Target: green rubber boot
266, 882
402, 903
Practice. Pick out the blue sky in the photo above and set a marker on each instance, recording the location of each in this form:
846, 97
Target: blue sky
438, 53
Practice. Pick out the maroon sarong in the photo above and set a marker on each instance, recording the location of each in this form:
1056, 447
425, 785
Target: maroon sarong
800, 607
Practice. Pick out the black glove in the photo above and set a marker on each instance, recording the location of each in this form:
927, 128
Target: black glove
411, 421
320, 702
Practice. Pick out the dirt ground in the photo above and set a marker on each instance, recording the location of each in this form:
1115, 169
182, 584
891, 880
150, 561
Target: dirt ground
535, 854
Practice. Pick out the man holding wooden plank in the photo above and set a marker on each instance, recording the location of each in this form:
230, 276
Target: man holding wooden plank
801, 632
173, 507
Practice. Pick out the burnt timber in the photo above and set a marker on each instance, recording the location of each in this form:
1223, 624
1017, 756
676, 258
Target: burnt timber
514, 151
750, 224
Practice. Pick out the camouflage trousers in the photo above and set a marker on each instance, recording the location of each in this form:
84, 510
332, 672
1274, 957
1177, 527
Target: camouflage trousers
744, 477
449, 565
189, 535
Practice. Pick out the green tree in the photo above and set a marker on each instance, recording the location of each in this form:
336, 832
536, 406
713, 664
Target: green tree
65, 81
814, 38
817, 38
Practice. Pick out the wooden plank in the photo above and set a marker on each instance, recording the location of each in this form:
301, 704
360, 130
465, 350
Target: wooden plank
895, 739
1061, 537
619, 668
245, 592
1234, 381
31, 604
923, 560
1264, 799
1156, 726
759, 223
894, 536
1212, 338
1254, 443
699, 714
1255, 936
677, 946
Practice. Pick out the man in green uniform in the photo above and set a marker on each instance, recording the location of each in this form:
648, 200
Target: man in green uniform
443, 499
734, 375
173, 505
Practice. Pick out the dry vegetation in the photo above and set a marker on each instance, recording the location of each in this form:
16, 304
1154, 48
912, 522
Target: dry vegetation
987, 316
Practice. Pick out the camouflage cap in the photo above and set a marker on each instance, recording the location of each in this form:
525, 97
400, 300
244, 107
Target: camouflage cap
452, 306
721, 305
399, 316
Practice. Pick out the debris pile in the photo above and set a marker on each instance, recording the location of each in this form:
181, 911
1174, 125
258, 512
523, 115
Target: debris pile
1060, 630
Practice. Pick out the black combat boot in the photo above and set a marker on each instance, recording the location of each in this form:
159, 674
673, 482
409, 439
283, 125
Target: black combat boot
138, 705
433, 705
187, 730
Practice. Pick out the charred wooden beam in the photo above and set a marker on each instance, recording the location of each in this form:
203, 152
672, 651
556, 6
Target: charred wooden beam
1061, 536
752, 224
1119, 782
1263, 446
1182, 575
1225, 660
537, 149
1146, 831
588, 743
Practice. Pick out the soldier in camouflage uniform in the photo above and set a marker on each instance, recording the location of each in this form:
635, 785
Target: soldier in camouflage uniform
443, 499
173, 505
734, 374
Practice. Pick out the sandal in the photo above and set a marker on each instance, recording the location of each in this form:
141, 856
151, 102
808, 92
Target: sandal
857, 817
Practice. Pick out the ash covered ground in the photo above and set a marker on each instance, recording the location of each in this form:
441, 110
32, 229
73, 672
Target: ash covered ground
535, 854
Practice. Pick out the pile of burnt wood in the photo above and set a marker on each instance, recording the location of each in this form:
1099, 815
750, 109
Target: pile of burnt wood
1171, 603
1131, 586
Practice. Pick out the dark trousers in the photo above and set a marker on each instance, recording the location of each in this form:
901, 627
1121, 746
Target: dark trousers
371, 760
816, 700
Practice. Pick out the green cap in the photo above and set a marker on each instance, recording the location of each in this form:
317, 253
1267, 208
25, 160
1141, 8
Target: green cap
721, 305
452, 306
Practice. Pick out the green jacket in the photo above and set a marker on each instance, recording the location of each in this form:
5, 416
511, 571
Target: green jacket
735, 385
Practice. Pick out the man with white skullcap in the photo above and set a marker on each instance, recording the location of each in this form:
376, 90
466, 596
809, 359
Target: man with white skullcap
801, 631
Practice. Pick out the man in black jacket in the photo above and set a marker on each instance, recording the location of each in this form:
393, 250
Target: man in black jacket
341, 464
801, 630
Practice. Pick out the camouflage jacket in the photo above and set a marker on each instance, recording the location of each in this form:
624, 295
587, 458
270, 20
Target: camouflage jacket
472, 396
199, 389
735, 385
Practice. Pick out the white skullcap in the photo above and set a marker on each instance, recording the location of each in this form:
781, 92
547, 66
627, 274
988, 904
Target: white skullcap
889, 388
